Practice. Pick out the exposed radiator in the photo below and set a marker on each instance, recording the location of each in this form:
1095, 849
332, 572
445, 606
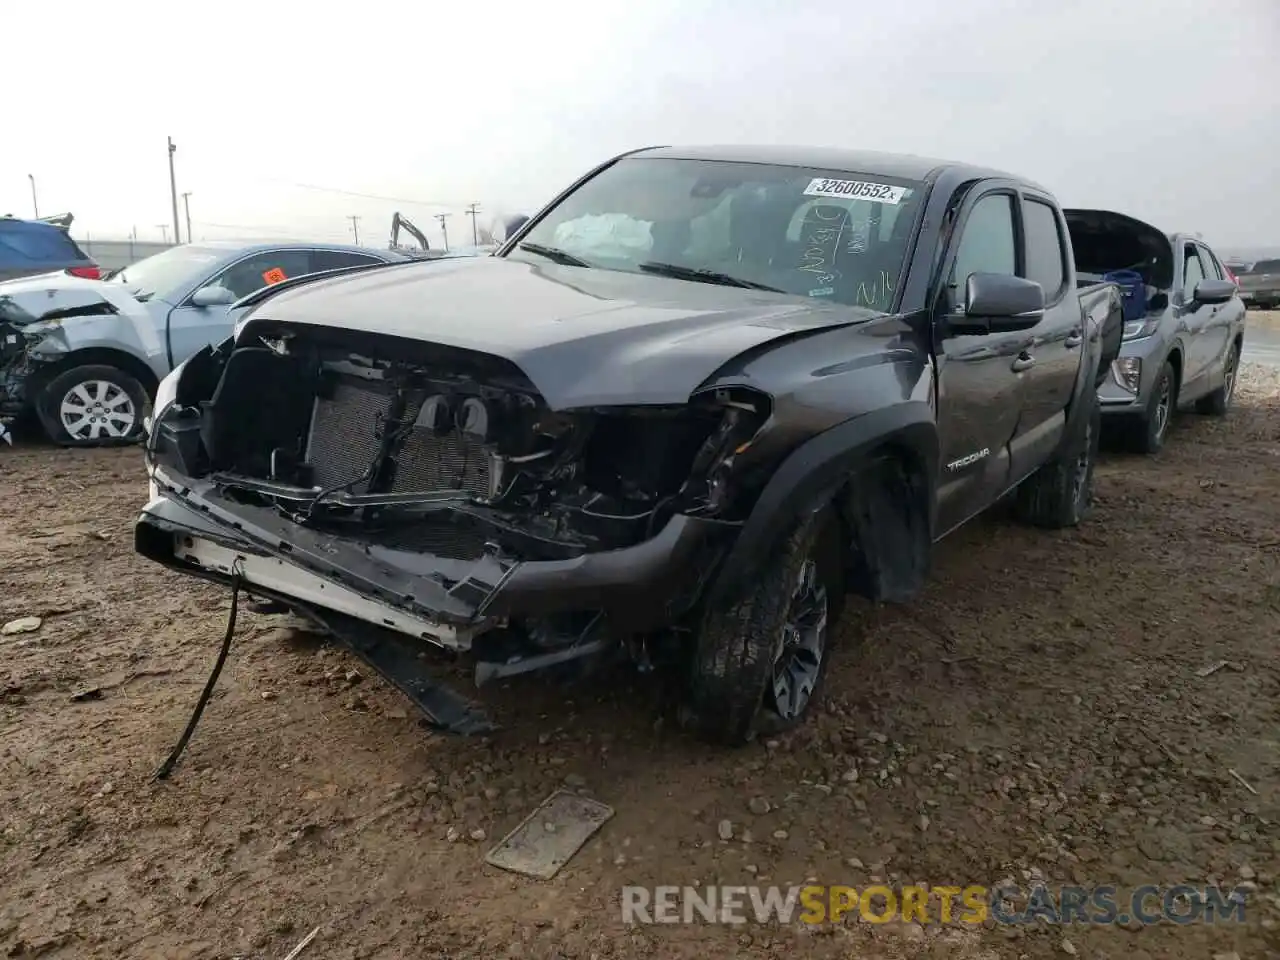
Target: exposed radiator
346, 431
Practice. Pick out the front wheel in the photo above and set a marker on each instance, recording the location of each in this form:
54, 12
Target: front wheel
761, 655
1147, 432
91, 406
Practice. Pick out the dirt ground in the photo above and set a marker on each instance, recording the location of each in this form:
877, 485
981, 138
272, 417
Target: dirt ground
1037, 712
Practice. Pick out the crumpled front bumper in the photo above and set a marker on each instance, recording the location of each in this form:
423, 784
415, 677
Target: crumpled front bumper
191, 527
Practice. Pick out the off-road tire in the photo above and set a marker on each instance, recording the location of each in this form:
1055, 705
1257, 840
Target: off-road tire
1146, 433
1217, 403
49, 400
738, 640
1060, 493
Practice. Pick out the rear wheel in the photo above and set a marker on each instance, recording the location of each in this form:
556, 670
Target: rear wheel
92, 406
1060, 493
1217, 403
760, 656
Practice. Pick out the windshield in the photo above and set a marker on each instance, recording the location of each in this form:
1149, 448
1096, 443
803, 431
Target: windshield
837, 236
168, 270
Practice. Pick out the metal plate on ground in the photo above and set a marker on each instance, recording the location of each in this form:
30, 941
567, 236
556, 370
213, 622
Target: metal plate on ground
549, 837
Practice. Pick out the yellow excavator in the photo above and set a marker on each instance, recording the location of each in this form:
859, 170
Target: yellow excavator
424, 250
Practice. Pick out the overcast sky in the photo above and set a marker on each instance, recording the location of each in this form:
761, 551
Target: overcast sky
1166, 109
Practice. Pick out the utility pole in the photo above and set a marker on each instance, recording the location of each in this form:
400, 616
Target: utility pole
164, 231
186, 206
35, 207
444, 228
355, 228
173, 191
475, 232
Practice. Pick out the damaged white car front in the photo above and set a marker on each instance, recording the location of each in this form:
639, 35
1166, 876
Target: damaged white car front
55, 323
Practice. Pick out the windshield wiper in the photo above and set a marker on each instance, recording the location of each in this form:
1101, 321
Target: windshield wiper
705, 276
553, 253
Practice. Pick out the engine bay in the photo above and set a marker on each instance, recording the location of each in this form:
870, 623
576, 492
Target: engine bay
445, 451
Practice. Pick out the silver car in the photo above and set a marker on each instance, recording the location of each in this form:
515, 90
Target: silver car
85, 356
1184, 324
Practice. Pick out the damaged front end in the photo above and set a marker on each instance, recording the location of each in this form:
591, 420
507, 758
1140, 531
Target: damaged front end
431, 492
44, 320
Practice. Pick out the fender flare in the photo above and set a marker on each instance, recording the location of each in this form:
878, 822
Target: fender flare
810, 475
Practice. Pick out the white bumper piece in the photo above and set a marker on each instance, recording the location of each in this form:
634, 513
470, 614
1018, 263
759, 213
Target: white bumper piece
289, 580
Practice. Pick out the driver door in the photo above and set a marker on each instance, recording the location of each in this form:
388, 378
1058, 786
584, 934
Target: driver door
980, 373
1196, 317
192, 327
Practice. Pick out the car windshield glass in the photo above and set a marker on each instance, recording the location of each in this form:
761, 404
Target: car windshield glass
168, 270
833, 235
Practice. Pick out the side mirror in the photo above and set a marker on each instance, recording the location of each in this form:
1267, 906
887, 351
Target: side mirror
1214, 291
1003, 302
213, 296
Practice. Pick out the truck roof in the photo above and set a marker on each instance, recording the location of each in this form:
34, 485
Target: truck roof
904, 165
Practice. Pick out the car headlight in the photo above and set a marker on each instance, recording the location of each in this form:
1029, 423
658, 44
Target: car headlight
1137, 329
166, 394
1127, 372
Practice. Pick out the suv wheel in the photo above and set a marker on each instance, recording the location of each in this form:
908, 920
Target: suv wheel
760, 658
1217, 403
92, 406
1148, 432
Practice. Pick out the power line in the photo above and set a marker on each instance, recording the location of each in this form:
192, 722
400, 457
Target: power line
365, 196
273, 232
355, 228
472, 211
444, 228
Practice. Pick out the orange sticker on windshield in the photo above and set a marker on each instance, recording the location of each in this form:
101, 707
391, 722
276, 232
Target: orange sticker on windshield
274, 275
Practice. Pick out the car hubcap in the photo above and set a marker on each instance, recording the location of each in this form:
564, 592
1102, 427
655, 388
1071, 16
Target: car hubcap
97, 409
1230, 384
1162, 405
802, 644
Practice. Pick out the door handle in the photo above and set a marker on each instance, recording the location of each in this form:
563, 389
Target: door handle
1074, 339
1023, 361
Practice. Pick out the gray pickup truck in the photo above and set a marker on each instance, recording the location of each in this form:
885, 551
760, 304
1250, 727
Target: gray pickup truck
692, 403
1260, 285
1184, 324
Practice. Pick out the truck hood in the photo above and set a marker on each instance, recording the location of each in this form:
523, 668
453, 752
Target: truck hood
583, 336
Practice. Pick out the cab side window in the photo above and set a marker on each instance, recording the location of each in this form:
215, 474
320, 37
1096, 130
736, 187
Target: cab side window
987, 243
1192, 271
1046, 258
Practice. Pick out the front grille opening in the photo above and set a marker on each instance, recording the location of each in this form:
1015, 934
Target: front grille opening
350, 425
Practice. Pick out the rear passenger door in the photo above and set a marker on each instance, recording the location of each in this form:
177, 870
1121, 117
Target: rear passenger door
979, 387
1056, 341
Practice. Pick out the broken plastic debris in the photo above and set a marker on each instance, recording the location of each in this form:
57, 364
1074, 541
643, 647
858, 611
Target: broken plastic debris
21, 625
549, 837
